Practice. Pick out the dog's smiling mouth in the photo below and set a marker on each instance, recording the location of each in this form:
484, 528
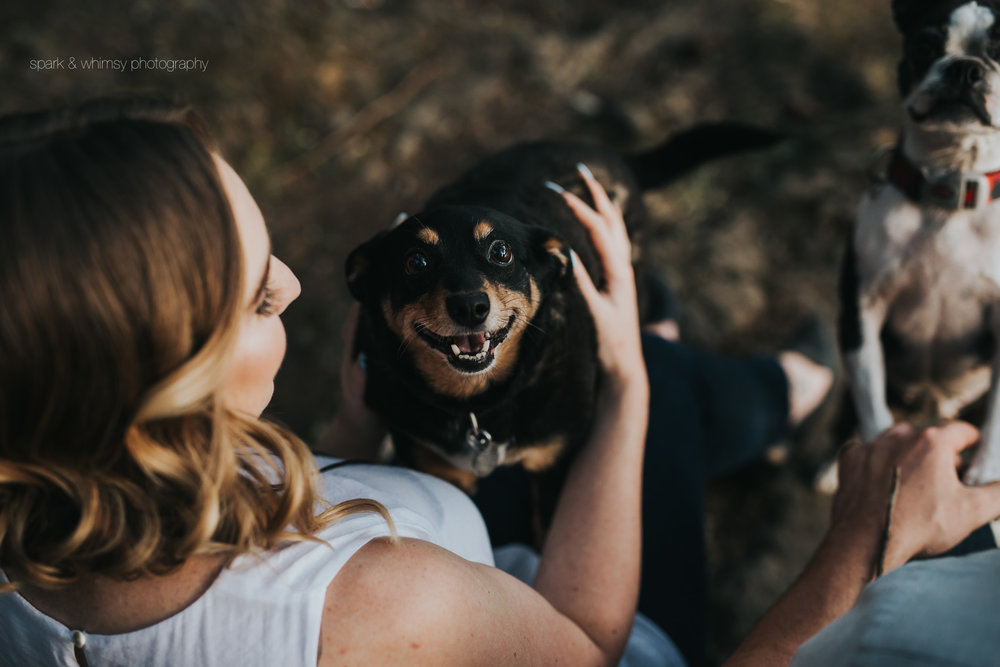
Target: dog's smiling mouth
472, 352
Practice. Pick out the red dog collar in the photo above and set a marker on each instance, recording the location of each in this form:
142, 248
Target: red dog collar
955, 190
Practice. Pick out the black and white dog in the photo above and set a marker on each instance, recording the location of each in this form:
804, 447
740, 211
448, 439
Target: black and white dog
921, 282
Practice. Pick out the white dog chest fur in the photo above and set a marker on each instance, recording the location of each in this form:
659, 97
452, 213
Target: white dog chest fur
924, 271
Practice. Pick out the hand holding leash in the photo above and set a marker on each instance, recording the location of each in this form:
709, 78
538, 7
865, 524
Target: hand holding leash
616, 315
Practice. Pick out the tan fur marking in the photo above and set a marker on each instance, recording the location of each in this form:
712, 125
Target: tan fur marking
507, 353
929, 403
482, 230
557, 249
433, 366
962, 391
538, 456
428, 236
432, 463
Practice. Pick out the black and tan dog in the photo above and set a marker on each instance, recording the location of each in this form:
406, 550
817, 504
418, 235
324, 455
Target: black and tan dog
480, 348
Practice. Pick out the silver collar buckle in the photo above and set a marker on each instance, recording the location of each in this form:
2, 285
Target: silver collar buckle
486, 453
958, 191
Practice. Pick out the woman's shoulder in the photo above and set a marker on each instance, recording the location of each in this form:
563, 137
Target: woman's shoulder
398, 602
410, 602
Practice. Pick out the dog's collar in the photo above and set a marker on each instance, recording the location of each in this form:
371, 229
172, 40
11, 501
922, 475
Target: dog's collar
485, 453
954, 190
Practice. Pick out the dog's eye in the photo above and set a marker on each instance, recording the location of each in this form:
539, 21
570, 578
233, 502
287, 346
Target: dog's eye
415, 262
500, 253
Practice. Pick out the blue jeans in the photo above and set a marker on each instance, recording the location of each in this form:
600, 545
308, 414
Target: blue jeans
647, 645
708, 416
939, 612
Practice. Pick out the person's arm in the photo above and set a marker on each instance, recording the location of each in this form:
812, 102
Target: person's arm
826, 589
415, 603
931, 511
590, 560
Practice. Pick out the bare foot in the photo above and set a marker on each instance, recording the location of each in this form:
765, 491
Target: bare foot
808, 384
667, 329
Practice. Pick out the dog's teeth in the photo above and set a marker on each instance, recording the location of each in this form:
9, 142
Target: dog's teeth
488, 335
486, 345
455, 350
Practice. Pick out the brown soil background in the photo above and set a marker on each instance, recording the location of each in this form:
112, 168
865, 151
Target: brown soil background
341, 113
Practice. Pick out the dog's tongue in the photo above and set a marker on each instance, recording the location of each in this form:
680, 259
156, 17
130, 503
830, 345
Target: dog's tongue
470, 344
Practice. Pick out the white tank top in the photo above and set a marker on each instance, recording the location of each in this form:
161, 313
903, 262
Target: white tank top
264, 609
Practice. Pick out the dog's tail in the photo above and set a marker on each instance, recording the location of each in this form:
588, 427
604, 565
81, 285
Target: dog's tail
693, 147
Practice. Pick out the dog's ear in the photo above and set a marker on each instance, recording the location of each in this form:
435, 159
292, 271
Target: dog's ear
551, 251
362, 278
902, 13
908, 14
905, 13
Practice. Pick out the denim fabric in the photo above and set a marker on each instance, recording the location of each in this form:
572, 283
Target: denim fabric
938, 612
647, 645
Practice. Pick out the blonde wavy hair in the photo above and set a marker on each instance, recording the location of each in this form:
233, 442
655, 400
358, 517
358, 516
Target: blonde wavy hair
121, 279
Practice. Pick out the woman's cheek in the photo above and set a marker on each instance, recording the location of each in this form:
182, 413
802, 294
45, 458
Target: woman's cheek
259, 352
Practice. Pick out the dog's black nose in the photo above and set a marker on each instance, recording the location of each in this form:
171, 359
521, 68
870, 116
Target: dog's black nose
964, 73
468, 309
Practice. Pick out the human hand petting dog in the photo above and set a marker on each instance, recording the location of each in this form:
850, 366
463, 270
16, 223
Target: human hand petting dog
899, 497
596, 529
614, 309
926, 510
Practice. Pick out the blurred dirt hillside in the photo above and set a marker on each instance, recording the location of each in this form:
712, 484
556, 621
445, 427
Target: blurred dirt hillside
341, 113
